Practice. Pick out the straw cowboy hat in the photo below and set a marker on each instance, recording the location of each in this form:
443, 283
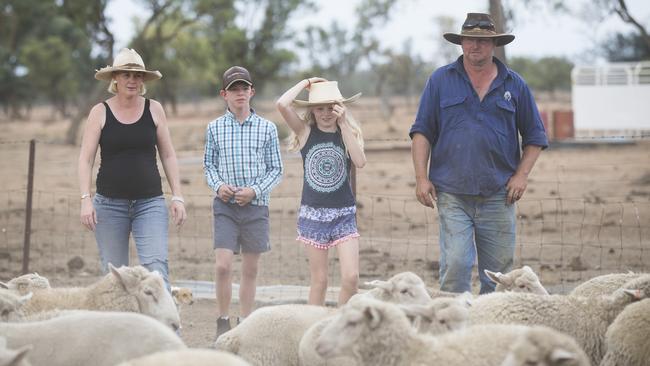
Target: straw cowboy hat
127, 60
479, 25
325, 92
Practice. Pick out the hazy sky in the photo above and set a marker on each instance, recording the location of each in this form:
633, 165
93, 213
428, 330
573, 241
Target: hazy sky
538, 33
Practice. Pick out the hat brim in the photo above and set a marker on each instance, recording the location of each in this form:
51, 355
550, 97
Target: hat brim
501, 39
106, 73
305, 103
236, 80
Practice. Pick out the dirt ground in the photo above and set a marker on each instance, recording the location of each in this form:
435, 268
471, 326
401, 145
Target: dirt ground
586, 210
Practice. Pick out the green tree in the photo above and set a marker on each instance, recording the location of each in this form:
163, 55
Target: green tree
544, 74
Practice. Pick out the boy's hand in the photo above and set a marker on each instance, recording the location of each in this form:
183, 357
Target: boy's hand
226, 192
244, 195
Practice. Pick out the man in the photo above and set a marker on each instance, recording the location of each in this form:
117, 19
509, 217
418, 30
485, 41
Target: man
471, 114
242, 164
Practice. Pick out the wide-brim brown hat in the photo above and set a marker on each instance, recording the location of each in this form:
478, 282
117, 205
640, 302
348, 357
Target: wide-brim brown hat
127, 60
325, 92
479, 25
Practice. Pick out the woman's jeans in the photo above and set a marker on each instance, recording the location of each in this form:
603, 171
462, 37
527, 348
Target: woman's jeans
470, 227
146, 219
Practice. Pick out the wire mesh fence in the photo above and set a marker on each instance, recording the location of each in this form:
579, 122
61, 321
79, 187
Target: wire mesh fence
586, 212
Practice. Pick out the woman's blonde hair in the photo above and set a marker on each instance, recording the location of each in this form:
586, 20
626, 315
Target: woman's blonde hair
310, 120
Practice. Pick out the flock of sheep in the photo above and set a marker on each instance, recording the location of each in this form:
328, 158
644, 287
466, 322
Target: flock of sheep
129, 318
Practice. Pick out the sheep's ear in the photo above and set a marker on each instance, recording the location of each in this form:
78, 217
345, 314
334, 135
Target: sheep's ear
175, 290
416, 311
635, 294
560, 355
20, 355
373, 317
494, 276
4, 285
527, 269
124, 277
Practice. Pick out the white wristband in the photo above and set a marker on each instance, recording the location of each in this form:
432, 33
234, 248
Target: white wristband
178, 199
85, 195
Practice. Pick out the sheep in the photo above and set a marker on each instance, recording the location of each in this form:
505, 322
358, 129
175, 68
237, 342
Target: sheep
405, 287
584, 318
536, 348
79, 338
603, 285
182, 295
11, 357
270, 335
132, 289
522, 279
26, 283
440, 315
11, 306
378, 333
628, 338
188, 357
402, 288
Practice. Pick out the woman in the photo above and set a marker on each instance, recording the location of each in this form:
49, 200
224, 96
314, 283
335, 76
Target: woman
129, 198
328, 140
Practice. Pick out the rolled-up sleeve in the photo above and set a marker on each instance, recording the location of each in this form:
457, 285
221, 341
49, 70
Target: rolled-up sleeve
426, 119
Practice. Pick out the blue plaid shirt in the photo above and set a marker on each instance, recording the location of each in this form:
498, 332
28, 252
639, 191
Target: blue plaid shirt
243, 155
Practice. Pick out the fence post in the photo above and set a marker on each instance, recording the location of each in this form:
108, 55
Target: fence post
28, 206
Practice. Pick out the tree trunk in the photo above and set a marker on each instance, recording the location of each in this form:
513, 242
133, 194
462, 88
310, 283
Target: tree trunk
85, 105
496, 11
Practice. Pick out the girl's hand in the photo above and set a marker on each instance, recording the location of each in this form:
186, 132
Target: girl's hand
339, 110
314, 80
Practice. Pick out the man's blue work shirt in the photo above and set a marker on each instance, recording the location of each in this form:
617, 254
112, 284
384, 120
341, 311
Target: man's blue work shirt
475, 144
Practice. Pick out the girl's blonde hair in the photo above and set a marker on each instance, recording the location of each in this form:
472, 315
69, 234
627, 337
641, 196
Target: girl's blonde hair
309, 119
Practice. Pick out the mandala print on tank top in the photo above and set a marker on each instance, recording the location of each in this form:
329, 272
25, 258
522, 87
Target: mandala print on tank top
325, 167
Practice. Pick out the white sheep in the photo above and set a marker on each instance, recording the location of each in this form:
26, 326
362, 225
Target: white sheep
402, 288
26, 283
80, 338
188, 357
378, 333
537, 348
133, 289
270, 335
584, 318
522, 279
603, 285
13, 357
627, 340
439, 316
11, 305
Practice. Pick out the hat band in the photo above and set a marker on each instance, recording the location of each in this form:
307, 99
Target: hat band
478, 32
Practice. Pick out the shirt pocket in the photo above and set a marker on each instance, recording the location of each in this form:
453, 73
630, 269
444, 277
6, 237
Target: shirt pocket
452, 112
506, 117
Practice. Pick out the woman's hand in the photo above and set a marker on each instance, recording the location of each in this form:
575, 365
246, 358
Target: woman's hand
88, 215
178, 213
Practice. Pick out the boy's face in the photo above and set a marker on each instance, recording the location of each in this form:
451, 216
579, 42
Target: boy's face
238, 95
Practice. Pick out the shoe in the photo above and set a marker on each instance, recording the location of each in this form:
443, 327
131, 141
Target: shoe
223, 325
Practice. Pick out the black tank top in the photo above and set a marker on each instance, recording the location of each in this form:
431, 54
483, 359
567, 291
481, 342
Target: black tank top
326, 165
128, 167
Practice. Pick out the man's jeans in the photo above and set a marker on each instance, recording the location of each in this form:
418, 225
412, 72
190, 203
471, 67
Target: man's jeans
470, 226
146, 219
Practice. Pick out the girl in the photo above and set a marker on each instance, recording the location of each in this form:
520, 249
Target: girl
329, 140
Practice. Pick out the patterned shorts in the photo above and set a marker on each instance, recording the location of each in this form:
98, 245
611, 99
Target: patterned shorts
324, 228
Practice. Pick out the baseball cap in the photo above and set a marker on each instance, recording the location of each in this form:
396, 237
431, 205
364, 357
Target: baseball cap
234, 74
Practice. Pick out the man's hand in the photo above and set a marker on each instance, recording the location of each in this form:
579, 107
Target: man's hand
426, 192
244, 195
226, 192
516, 187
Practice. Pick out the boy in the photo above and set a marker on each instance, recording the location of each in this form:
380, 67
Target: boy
242, 164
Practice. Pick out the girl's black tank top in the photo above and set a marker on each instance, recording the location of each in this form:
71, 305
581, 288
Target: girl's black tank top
128, 167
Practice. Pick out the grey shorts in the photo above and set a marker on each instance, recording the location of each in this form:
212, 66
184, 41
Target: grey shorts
240, 228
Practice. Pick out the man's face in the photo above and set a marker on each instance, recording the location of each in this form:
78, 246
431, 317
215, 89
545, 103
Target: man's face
478, 51
238, 95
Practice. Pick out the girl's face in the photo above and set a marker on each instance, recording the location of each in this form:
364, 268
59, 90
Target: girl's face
129, 82
324, 116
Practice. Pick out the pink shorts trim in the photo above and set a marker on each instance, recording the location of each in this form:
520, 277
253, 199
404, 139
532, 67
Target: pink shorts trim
318, 245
